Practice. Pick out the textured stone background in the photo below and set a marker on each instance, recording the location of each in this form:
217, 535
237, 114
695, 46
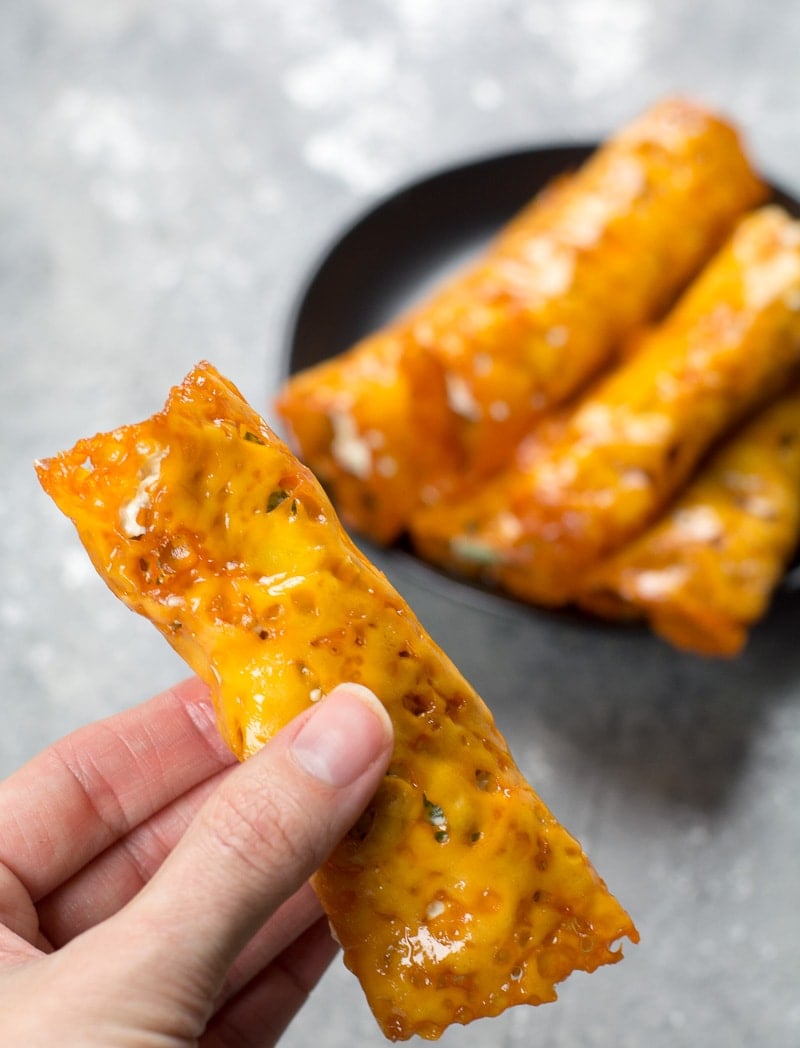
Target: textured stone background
168, 172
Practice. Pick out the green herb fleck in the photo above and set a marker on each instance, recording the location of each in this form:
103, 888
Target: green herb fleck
253, 438
276, 498
433, 813
437, 818
474, 551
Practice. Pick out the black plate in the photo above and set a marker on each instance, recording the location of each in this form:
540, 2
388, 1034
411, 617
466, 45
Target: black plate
400, 249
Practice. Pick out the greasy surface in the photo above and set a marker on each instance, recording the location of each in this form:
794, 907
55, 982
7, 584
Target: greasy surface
706, 572
457, 894
732, 340
442, 397
171, 173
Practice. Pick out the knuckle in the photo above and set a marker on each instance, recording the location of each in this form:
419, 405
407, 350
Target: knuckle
268, 831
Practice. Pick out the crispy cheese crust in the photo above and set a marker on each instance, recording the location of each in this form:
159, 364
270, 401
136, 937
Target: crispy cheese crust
438, 400
705, 572
457, 894
627, 447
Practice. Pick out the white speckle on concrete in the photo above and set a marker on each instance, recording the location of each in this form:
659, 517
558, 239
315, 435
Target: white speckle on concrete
76, 568
101, 129
12, 613
602, 46
487, 93
348, 70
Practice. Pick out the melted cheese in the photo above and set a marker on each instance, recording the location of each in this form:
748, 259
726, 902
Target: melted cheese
457, 894
589, 262
350, 450
129, 511
705, 571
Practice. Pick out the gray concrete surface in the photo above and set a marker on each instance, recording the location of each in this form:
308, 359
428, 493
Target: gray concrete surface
168, 171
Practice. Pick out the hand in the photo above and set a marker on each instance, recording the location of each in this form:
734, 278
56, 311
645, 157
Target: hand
152, 893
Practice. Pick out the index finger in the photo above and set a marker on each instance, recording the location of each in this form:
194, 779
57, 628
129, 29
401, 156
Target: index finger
78, 797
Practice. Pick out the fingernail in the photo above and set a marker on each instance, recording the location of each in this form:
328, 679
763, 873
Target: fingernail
347, 732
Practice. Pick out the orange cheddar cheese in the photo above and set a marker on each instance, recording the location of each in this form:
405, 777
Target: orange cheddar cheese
438, 400
457, 894
731, 342
706, 571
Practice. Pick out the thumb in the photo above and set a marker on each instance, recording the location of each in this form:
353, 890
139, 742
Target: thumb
270, 824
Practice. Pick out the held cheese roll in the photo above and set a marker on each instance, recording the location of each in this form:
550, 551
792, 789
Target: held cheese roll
704, 573
441, 398
731, 342
457, 894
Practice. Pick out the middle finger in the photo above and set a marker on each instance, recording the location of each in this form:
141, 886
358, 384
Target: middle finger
115, 876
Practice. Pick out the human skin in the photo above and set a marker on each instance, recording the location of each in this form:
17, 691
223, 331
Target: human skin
154, 893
